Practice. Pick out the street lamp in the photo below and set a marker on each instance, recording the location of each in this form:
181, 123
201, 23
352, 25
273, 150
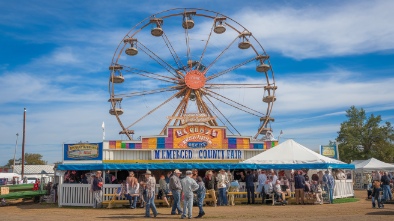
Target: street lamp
16, 145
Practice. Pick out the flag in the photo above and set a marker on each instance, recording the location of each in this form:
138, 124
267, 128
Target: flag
103, 126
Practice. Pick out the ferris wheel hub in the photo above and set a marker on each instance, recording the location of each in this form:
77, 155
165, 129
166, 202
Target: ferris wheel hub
195, 79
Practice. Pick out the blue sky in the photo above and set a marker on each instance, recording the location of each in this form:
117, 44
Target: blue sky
54, 58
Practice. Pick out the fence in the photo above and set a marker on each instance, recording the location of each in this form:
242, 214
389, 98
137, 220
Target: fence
80, 195
343, 189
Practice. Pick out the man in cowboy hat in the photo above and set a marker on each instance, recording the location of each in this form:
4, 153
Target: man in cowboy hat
150, 190
189, 185
176, 188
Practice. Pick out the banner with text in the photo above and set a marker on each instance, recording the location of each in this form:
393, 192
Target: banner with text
197, 154
330, 151
83, 151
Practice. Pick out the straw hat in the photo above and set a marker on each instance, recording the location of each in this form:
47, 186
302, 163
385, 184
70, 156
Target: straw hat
177, 171
148, 172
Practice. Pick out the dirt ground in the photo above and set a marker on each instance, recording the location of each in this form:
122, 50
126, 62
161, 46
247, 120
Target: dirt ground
359, 211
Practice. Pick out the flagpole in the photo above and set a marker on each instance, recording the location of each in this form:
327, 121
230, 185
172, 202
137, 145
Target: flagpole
103, 126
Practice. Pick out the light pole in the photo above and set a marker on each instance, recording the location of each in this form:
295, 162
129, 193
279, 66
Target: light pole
16, 145
23, 143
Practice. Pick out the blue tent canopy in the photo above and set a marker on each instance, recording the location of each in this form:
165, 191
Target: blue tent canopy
213, 166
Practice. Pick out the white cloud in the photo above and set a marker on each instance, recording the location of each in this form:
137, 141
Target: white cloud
351, 27
31, 88
330, 91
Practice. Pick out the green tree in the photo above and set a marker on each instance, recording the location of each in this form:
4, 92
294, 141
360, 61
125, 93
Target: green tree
362, 137
30, 159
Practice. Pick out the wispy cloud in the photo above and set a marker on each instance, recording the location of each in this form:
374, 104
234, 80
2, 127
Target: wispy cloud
323, 30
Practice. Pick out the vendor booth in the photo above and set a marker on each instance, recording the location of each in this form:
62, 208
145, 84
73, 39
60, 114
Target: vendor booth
364, 167
292, 155
196, 146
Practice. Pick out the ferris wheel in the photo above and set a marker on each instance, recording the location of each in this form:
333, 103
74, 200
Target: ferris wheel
183, 61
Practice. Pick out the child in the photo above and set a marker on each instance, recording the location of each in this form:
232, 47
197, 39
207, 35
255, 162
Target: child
376, 189
200, 196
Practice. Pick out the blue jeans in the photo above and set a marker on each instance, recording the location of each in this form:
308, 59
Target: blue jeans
187, 204
176, 194
132, 200
376, 196
97, 198
222, 196
387, 193
151, 204
201, 202
331, 194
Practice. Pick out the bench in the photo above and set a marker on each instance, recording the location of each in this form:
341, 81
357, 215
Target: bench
113, 202
240, 197
210, 198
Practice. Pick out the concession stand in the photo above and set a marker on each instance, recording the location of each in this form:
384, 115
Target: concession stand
191, 146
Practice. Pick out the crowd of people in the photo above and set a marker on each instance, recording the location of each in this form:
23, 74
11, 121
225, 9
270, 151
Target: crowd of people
192, 188
379, 185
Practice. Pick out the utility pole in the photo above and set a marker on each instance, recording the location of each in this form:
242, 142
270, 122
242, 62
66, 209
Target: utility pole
23, 144
16, 145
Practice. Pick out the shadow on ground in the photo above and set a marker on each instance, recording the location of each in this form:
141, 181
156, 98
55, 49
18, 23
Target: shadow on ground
382, 212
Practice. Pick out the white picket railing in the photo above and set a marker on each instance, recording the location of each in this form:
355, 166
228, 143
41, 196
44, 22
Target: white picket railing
75, 195
80, 194
343, 189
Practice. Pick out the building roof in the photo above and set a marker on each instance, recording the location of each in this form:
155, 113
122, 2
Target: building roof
35, 169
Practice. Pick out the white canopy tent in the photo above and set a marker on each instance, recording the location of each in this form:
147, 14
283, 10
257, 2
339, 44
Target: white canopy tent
372, 165
292, 155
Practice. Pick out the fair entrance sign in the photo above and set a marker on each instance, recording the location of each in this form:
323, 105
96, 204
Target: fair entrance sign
197, 154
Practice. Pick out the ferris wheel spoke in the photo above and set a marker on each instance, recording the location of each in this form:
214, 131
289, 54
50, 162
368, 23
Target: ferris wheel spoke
187, 38
230, 86
233, 103
204, 108
183, 109
147, 92
213, 105
158, 60
206, 45
156, 108
178, 110
217, 58
172, 51
213, 76
153, 75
